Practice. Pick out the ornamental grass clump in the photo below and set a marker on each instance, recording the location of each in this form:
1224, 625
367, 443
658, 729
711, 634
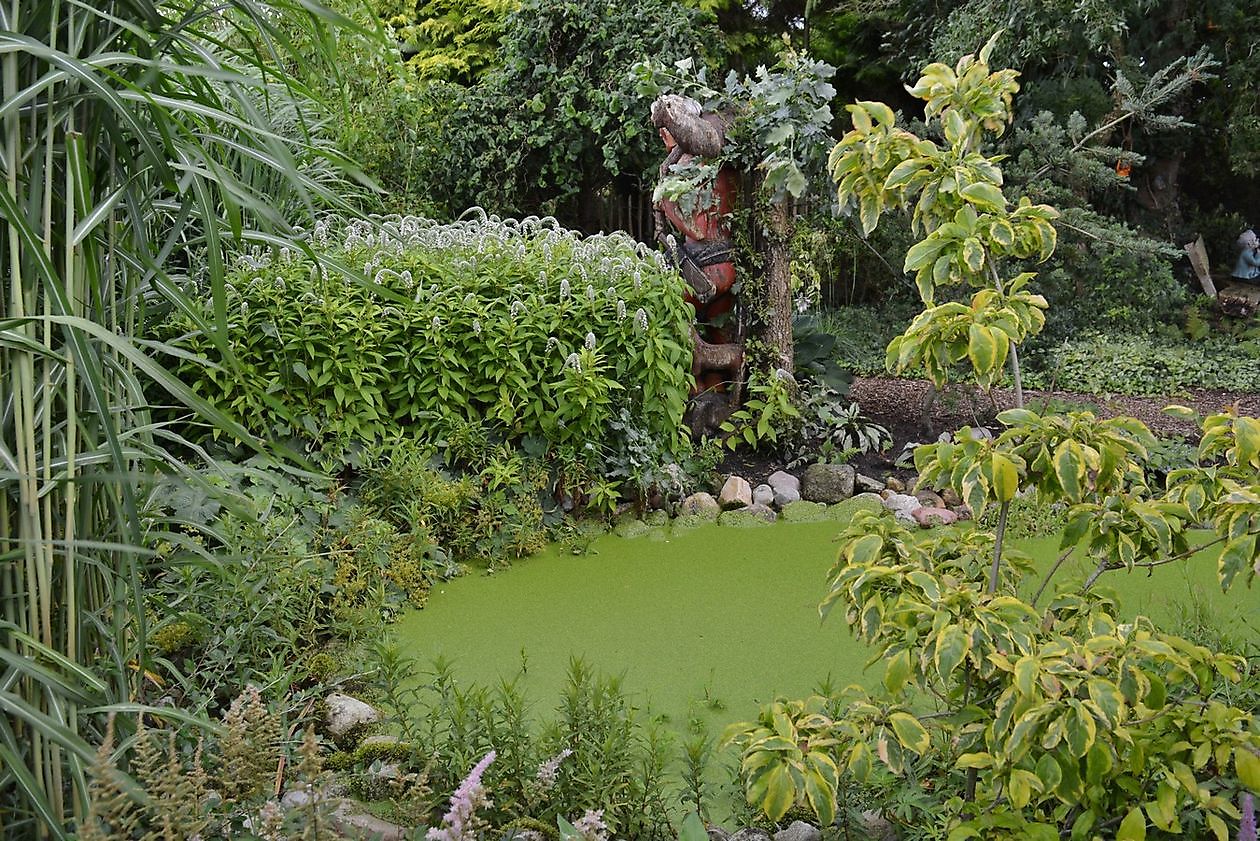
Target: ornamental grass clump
480, 319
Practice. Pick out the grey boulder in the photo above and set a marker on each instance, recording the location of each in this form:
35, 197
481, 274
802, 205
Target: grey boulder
828, 483
799, 831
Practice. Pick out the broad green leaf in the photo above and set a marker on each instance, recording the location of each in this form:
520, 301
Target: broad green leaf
1026, 669
1049, 773
1247, 436
1247, 766
897, 672
974, 760
780, 792
984, 195
1069, 468
910, 732
1105, 694
692, 829
1237, 556
1133, 827
952, 645
1005, 478
982, 348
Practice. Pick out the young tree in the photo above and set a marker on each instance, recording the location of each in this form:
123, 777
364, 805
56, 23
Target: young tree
1032, 723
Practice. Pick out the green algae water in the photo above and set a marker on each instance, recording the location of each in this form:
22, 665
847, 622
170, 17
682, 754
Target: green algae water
712, 622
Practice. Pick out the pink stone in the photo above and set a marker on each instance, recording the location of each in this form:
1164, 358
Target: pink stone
928, 517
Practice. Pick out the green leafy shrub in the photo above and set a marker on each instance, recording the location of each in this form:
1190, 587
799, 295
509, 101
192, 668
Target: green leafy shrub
488, 512
250, 592
833, 429
769, 414
523, 325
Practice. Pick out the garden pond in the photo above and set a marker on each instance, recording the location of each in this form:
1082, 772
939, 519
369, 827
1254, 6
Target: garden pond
710, 622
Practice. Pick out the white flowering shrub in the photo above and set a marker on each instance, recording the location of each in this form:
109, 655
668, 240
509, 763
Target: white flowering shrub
534, 329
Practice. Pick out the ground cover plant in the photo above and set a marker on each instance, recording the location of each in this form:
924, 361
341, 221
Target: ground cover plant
1033, 722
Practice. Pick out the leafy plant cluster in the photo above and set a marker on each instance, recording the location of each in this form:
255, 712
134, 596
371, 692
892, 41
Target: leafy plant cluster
592, 752
522, 325
769, 413
1137, 364
270, 572
558, 119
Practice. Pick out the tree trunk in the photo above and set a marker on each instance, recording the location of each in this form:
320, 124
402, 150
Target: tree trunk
777, 328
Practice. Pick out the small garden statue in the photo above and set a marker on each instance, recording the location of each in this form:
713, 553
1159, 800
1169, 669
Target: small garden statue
706, 255
1248, 266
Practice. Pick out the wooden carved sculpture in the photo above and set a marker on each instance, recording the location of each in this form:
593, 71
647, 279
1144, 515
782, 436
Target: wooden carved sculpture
705, 256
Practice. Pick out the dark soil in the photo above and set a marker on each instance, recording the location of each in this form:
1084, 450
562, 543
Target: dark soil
902, 406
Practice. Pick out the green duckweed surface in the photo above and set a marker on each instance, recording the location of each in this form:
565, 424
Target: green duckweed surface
711, 622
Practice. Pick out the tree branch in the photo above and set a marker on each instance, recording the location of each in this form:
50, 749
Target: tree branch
1050, 575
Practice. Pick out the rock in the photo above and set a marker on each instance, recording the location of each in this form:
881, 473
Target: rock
979, 433
295, 798
351, 824
383, 739
804, 512
763, 495
632, 528
950, 497
875, 827
656, 517
786, 496
781, 481
686, 522
829, 483
903, 506
750, 834
716, 833
702, 505
765, 512
843, 511
927, 517
929, 499
963, 511
736, 493
799, 831
753, 515
866, 483
894, 484
346, 714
